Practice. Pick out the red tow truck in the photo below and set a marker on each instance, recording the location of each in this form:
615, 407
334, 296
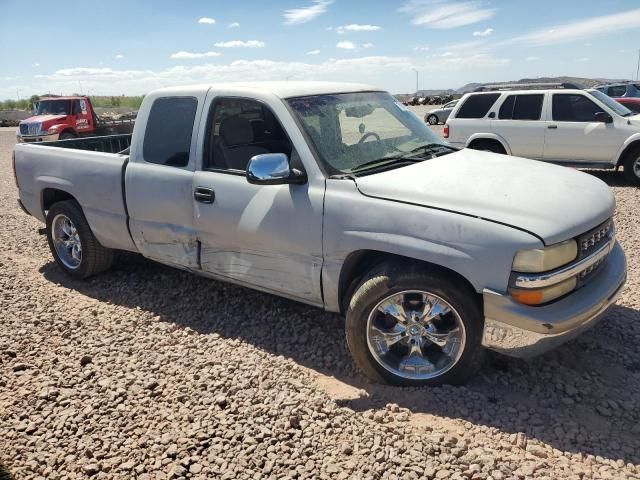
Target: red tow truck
62, 118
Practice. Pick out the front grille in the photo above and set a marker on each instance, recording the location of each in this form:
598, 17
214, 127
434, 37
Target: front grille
30, 128
589, 243
594, 239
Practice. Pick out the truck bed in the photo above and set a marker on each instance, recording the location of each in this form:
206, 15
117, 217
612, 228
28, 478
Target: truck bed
105, 144
91, 170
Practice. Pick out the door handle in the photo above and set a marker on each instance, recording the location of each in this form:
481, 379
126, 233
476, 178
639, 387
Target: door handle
552, 127
204, 195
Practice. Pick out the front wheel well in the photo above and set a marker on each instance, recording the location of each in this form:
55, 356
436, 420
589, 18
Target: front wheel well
54, 195
358, 264
628, 149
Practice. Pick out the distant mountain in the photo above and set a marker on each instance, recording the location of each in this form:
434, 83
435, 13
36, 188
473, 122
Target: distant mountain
584, 82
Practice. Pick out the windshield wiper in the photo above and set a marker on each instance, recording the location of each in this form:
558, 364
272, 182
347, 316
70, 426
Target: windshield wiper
383, 162
436, 149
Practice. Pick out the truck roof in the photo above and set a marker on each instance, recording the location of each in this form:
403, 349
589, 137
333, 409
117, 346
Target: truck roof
279, 89
69, 97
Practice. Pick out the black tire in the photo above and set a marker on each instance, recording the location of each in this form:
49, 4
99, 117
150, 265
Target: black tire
95, 257
388, 279
66, 136
488, 146
432, 119
632, 176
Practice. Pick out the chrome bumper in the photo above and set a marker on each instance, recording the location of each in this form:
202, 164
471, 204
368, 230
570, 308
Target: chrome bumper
37, 138
525, 331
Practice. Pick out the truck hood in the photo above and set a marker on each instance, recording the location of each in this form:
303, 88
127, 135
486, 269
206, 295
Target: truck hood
43, 118
554, 203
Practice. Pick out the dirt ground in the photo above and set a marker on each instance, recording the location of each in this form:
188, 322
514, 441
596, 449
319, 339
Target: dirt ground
152, 373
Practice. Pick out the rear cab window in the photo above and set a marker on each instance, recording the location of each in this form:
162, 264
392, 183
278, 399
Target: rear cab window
522, 107
477, 105
167, 138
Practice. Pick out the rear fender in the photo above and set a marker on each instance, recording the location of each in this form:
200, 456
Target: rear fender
490, 136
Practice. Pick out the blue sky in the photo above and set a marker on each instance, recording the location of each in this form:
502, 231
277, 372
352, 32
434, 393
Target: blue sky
123, 47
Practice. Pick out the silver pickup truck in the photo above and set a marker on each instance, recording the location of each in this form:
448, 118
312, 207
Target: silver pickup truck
335, 195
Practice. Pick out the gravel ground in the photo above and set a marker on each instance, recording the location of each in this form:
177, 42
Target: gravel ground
151, 373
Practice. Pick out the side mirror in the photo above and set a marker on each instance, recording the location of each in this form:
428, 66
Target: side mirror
273, 169
603, 117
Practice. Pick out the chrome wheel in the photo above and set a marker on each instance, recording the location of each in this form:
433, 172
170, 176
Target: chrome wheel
66, 241
415, 334
432, 120
636, 167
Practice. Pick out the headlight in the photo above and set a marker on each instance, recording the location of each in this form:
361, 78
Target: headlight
539, 296
52, 130
545, 259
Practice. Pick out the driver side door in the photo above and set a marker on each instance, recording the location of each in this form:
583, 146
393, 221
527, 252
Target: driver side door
268, 237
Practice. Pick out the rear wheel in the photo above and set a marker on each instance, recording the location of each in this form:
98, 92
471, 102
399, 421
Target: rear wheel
632, 166
73, 245
409, 327
432, 119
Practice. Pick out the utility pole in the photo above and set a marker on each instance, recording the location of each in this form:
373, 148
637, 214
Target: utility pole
638, 69
417, 80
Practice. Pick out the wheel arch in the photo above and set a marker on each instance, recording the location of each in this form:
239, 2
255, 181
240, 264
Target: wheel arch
49, 196
68, 130
358, 263
489, 137
629, 145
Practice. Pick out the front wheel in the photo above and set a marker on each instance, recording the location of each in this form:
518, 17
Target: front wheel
72, 243
632, 166
432, 120
415, 328
66, 136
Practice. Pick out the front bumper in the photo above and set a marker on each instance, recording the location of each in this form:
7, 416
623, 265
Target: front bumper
525, 331
37, 138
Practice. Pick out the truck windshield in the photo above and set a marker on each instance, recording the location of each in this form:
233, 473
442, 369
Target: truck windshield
54, 107
611, 103
353, 132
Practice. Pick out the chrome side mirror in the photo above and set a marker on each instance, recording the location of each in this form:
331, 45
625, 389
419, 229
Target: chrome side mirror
273, 169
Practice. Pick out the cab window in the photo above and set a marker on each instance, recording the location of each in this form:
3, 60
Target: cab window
568, 107
239, 129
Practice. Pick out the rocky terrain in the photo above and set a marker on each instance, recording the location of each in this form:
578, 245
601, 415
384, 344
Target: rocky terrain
147, 372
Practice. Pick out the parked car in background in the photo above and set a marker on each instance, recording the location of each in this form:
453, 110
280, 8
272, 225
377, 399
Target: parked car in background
558, 123
620, 89
336, 195
632, 103
439, 115
67, 117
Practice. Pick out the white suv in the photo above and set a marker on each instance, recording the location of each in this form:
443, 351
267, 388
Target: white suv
561, 124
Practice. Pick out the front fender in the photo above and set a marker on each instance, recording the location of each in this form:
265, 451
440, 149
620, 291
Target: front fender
478, 250
490, 136
627, 143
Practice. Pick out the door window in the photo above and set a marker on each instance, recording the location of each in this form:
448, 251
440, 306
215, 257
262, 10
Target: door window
569, 107
167, 139
477, 106
522, 107
240, 129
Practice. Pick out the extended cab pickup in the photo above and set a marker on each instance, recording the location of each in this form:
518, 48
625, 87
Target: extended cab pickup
335, 195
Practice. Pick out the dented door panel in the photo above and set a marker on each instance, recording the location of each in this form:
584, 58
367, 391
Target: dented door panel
265, 236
